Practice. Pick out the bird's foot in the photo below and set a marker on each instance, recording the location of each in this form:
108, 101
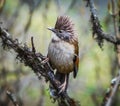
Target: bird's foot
45, 60
62, 87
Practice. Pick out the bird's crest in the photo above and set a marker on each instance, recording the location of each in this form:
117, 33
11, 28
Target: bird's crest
64, 23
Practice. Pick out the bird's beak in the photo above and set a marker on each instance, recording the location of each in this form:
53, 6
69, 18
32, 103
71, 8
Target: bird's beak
52, 29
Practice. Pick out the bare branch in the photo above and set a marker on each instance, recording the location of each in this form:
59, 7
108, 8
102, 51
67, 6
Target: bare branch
111, 92
119, 19
33, 47
12, 98
114, 19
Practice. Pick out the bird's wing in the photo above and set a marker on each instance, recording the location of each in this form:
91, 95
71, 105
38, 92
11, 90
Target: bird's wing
76, 60
50, 62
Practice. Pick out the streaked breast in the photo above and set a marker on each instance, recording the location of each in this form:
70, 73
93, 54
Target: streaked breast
61, 56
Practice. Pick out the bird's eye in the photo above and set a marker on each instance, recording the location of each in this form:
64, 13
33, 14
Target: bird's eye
60, 31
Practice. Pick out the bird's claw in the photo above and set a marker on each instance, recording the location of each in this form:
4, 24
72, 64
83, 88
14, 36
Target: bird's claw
62, 88
45, 60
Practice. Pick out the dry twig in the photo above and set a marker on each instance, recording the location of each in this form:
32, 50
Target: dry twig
111, 92
12, 98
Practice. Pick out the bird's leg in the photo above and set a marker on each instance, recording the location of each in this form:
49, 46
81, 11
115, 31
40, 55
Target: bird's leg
63, 85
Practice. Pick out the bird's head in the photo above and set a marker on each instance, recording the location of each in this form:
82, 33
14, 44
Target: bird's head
63, 29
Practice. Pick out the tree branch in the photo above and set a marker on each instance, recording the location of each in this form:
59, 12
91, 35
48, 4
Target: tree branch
35, 62
96, 27
111, 92
12, 98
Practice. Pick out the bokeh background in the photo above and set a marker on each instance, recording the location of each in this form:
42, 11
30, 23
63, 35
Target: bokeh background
27, 18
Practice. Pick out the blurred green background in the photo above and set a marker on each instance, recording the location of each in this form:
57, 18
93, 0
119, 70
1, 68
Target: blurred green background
27, 18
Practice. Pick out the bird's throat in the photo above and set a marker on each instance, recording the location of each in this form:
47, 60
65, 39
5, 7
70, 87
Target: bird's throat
55, 38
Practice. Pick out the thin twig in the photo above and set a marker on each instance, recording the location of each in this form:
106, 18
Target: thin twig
33, 47
12, 98
114, 91
111, 92
114, 19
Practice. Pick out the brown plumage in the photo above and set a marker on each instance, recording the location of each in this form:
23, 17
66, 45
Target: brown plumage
63, 50
64, 23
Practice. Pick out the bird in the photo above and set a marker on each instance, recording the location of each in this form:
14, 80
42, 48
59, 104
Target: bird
63, 51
